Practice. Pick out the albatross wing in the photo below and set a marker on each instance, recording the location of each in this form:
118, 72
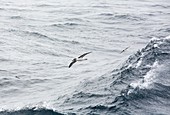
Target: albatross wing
84, 55
74, 61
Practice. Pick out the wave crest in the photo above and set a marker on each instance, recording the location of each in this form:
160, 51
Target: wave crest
31, 111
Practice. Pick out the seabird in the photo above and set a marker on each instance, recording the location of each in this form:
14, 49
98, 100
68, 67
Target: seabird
17, 77
124, 49
80, 58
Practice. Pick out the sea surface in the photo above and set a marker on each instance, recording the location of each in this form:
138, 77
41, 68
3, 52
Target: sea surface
39, 38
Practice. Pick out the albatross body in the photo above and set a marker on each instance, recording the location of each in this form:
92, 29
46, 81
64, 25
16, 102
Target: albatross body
80, 58
124, 49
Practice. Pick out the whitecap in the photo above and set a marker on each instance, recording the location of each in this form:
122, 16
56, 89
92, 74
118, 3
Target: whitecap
168, 37
154, 38
139, 63
147, 80
155, 46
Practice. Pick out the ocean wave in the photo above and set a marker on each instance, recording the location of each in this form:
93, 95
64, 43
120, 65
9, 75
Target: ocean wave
106, 14
141, 84
66, 25
137, 81
16, 17
150, 59
160, 6
40, 38
30, 33
145, 87
38, 35
128, 17
30, 111
71, 24
131, 89
46, 5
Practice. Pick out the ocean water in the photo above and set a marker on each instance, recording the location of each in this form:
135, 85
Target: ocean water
39, 38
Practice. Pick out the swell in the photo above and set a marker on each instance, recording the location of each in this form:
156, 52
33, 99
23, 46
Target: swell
31, 33
143, 91
111, 16
71, 24
161, 6
16, 17
31, 111
140, 73
68, 25
132, 89
37, 34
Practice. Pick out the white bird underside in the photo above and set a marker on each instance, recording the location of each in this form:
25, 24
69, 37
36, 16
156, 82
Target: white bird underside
80, 58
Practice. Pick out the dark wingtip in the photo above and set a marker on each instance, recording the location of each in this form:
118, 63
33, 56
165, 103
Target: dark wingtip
69, 66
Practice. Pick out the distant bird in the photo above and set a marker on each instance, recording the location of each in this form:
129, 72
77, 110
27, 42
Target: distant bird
124, 49
17, 77
80, 58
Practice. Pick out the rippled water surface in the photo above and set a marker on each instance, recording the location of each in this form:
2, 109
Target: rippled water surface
39, 38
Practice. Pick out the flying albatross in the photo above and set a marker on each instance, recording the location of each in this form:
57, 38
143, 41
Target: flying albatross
124, 49
80, 58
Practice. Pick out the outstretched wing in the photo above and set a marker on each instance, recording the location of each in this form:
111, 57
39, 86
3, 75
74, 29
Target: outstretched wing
84, 55
71, 63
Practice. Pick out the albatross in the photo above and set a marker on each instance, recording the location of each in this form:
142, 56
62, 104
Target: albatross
124, 49
80, 58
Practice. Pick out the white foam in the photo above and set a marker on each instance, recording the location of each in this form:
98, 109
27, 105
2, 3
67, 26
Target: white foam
154, 38
168, 37
139, 63
155, 46
147, 80
130, 65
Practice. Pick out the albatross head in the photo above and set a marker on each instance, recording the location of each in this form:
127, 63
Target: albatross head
74, 60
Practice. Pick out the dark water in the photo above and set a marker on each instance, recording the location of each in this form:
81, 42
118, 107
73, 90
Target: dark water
39, 39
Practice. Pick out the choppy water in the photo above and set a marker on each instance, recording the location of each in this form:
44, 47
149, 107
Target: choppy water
39, 39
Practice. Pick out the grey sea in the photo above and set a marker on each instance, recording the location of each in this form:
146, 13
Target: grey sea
39, 39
